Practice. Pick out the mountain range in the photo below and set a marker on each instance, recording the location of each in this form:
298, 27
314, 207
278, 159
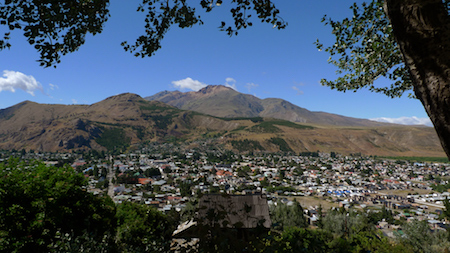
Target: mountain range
215, 117
222, 101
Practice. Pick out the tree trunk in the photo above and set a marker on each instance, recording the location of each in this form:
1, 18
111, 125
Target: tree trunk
422, 31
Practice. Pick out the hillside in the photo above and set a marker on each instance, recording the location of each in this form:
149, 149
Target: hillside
117, 121
221, 101
384, 141
127, 119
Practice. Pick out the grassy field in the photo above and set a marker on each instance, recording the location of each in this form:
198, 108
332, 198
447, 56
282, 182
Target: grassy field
307, 201
311, 201
405, 192
417, 159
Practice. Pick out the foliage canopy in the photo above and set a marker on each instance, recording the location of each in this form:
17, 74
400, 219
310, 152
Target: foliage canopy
365, 50
40, 203
56, 28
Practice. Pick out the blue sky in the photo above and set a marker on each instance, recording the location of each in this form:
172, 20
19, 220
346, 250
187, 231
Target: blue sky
261, 61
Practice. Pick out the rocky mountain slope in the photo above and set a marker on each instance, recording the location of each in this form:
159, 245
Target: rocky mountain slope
115, 122
221, 101
127, 119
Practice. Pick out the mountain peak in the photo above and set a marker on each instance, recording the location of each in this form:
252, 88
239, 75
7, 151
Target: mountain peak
223, 101
125, 96
214, 89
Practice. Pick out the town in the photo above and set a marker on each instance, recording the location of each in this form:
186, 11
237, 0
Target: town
167, 178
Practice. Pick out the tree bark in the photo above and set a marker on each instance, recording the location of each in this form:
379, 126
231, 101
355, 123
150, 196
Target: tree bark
422, 31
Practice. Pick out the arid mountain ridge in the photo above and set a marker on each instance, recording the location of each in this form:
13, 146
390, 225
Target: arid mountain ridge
222, 101
127, 119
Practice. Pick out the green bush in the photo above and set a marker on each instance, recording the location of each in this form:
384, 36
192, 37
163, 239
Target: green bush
246, 145
281, 143
39, 204
113, 138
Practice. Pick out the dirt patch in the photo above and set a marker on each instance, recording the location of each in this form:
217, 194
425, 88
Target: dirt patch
405, 192
307, 201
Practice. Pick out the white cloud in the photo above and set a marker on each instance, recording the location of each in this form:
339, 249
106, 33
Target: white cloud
13, 80
189, 83
405, 120
296, 87
74, 101
53, 86
230, 82
251, 86
299, 92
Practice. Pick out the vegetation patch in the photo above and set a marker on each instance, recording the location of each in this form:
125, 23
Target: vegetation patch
175, 140
9, 116
162, 116
113, 138
265, 127
270, 126
288, 124
417, 158
111, 124
281, 143
252, 119
280, 189
191, 114
311, 154
78, 142
140, 131
440, 187
246, 145
210, 134
161, 121
158, 108
82, 125
238, 129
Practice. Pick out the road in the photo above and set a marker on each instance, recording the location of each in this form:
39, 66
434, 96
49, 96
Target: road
109, 177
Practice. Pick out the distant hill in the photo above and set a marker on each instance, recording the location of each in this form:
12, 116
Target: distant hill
115, 122
127, 119
221, 101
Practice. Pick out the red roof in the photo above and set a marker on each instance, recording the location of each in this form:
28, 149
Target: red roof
223, 173
144, 180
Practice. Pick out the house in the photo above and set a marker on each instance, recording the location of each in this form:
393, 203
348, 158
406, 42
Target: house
241, 216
